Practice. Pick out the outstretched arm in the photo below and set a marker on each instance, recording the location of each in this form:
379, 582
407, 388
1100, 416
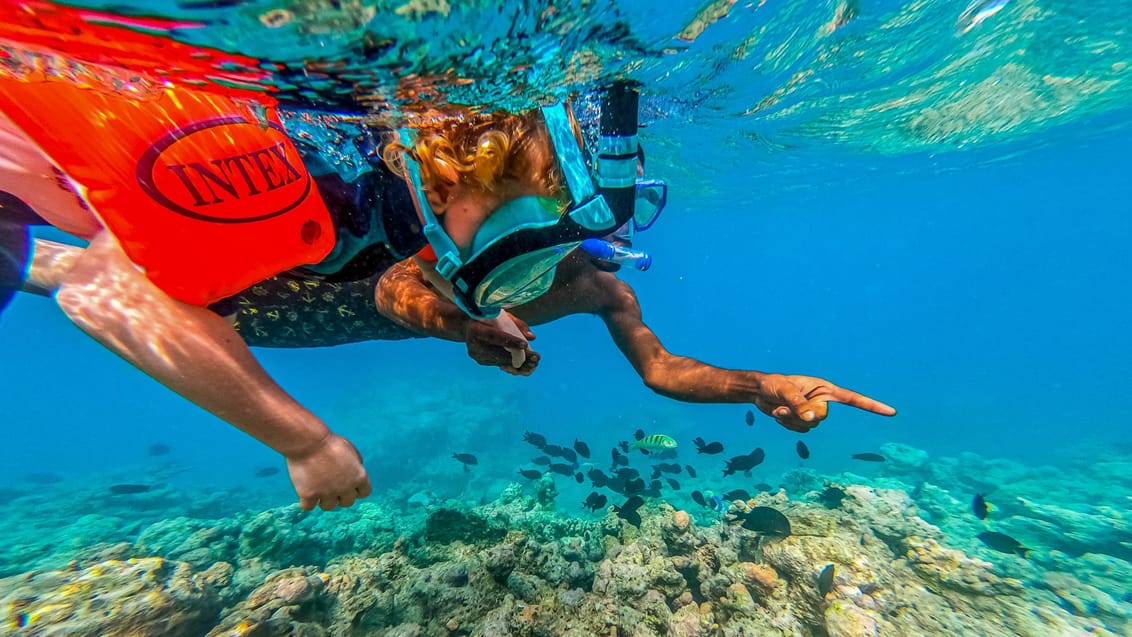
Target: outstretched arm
678, 377
200, 356
796, 402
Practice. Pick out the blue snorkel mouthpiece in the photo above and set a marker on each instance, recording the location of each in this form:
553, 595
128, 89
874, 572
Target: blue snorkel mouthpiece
619, 254
617, 149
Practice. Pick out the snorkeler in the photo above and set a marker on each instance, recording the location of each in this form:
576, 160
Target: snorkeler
303, 309
486, 177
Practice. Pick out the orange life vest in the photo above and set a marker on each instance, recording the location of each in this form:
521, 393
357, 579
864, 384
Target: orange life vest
203, 191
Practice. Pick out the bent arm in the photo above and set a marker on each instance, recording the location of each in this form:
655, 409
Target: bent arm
404, 297
188, 349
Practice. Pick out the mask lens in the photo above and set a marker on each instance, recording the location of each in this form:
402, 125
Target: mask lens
522, 279
650, 201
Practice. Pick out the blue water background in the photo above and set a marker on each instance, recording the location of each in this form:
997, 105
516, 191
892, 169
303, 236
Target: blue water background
988, 303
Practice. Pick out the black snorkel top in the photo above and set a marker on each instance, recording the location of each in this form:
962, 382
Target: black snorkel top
618, 147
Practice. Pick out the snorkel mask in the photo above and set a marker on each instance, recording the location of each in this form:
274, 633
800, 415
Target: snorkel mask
514, 255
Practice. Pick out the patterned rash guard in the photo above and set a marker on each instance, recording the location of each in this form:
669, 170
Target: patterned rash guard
296, 310
332, 302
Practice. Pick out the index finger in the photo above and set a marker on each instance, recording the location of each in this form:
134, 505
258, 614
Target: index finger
860, 401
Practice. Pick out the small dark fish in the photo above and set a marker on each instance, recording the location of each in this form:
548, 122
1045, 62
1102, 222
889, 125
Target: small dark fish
745, 463
667, 467
757, 456
766, 520
868, 457
266, 472
831, 497
594, 502
981, 507
597, 477
636, 485
632, 517
562, 469
825, 580
628, 473
624, 444
537, 440
750, 418
158, 450
465, 459
619, 459
541, 460
530, 474
764, 487
737, 494
639, 434
579, 478
673, 483
628, 511
711, 448
561, 452
633, 503
129, 489
1003, 543
803, 450
699, 442
582, 448
698, 498
690, 469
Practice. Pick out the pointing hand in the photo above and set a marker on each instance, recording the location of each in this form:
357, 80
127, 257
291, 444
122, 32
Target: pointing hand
800, 403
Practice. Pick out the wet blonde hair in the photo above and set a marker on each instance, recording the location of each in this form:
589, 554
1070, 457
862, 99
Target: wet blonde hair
484, 150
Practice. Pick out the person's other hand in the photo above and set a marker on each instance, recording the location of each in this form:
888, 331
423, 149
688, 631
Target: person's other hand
800, 403
329, 475
502, 343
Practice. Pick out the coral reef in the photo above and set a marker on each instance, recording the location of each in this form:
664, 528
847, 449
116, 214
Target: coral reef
513, 567
436, 557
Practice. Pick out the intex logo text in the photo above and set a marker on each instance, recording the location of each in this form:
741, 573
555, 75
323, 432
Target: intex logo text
226, 170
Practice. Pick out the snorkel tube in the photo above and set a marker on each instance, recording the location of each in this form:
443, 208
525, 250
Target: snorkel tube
617, 149
619, 254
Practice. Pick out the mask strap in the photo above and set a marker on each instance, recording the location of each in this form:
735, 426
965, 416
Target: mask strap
569, 153
448, 259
